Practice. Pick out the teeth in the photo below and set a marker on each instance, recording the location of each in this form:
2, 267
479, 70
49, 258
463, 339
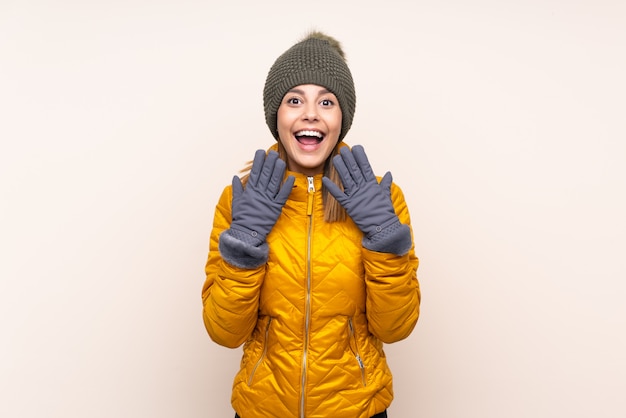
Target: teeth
309, 133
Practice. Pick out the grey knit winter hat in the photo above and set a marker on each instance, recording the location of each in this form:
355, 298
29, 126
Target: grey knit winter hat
317, 59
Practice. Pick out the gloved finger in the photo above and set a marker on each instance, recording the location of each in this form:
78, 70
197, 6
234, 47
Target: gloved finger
344, 174
276, 178
385, 182
237, 187
353, 167
257, 166
361, 159
267, 170
333, 189
285, 190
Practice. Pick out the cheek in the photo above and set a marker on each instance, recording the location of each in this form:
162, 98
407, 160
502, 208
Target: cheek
284, 121
338, 120
337, 125
282, 127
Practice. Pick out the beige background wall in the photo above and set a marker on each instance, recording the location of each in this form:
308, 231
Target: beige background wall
503, 121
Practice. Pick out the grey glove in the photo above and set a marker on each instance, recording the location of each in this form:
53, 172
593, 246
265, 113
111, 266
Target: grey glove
368, 203
255, 210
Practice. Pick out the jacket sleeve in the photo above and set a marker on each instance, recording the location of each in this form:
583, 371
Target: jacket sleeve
393, 292
230, 294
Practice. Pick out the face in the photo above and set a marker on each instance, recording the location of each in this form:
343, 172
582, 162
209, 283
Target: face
309, 124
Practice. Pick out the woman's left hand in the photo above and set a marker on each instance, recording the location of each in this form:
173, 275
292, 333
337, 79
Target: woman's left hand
367, 202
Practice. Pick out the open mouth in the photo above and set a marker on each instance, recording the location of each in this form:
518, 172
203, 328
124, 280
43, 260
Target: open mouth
307, 137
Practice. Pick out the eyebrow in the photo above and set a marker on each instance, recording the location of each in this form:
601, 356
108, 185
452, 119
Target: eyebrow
298, 91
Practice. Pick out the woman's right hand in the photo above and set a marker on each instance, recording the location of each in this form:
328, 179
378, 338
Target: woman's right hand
256, 208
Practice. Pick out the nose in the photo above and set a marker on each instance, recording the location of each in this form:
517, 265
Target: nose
309, 112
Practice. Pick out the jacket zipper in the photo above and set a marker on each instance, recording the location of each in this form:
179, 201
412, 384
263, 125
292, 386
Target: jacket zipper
258, 363
358, 353
307, 307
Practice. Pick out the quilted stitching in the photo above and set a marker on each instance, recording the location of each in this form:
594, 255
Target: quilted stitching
334, 381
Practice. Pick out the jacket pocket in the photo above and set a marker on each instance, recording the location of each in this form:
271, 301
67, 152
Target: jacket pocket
354, 346
263, 352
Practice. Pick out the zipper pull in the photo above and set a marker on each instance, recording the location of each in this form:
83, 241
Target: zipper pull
309, 209
361, 365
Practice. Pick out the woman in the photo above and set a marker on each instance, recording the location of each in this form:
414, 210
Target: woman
311, 264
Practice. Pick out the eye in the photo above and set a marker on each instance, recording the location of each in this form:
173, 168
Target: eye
294, 101
327, 102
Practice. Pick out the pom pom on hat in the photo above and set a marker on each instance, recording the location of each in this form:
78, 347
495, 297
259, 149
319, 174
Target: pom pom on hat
317, 59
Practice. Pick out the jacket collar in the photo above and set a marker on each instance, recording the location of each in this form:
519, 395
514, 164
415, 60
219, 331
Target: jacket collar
300, 191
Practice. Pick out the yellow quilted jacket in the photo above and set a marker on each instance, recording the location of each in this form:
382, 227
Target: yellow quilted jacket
313, 320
